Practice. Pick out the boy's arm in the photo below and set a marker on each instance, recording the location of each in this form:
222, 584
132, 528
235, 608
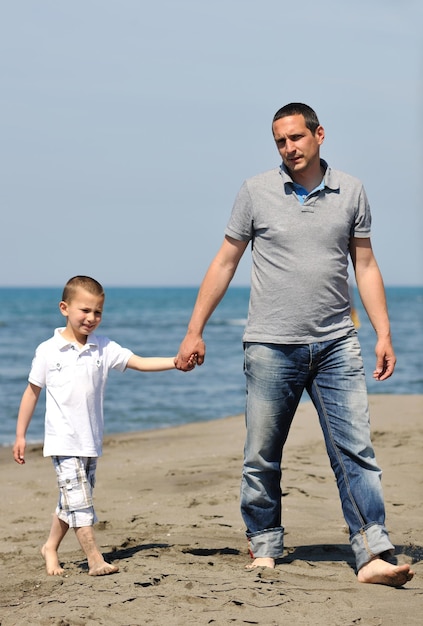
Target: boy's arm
154, 363
26, 410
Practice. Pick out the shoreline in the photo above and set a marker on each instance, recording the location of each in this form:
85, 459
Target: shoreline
168, 507
139, 432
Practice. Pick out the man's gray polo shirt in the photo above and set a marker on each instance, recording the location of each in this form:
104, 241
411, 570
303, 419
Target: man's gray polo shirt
299, 279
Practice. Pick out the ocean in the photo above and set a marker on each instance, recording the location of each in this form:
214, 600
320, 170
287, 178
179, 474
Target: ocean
152, 322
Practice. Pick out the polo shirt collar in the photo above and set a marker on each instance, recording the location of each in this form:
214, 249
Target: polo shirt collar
63, 343
330, 177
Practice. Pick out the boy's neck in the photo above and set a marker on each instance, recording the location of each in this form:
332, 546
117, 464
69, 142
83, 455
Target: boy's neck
69, 335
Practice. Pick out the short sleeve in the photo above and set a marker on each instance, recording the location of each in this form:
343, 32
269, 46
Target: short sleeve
240, 225
363, 218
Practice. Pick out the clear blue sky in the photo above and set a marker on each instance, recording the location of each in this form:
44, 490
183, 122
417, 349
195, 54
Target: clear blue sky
127, 127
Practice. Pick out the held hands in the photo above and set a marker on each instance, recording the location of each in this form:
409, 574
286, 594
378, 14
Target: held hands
189, 364
191, 353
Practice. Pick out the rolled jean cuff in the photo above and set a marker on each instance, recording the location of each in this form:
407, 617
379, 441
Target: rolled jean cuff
370, 542
266, 543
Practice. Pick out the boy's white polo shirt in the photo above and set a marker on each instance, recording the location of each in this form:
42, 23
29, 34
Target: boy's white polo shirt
75, 380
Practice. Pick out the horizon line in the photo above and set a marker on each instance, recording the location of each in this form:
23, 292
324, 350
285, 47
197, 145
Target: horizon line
167, 286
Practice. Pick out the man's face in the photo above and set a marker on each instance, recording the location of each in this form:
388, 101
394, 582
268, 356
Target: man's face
297, 145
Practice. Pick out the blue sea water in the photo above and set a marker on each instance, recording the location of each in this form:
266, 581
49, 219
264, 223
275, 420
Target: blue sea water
152, 321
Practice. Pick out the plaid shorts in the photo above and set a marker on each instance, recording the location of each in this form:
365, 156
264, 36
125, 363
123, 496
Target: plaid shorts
76, 479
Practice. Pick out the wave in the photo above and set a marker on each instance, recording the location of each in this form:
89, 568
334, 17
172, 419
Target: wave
229, 322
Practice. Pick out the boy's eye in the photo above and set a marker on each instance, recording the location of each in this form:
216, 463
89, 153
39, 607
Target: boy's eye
97, 313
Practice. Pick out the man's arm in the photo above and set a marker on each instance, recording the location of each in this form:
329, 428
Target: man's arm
372, 294
211, 292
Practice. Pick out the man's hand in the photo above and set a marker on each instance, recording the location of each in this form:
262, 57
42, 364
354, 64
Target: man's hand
385, 360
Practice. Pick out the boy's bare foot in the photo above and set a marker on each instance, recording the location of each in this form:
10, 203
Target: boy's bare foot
262, 561
382, 573
102, 568
51, 558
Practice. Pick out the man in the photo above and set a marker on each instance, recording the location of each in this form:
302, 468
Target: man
303, 221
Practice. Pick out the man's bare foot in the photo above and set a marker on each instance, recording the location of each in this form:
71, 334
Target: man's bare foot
382, 573
52, 561
102, 569
262, 561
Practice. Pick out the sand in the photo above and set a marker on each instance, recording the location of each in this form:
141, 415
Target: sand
168, 505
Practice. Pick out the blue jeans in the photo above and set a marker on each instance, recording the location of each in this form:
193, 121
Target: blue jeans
333, 375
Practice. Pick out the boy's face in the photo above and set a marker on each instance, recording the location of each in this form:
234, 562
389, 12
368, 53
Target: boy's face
83, 313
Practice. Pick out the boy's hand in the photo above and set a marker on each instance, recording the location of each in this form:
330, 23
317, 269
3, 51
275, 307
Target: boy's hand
192, 361
19, 451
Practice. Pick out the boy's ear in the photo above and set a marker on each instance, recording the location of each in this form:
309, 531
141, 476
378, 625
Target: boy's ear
63, 306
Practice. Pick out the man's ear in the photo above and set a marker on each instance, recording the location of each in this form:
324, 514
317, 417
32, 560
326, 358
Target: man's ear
320, 134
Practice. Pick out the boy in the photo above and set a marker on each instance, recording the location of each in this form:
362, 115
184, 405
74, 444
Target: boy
73, 365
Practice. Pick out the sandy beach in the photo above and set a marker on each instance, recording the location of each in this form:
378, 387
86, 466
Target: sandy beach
168, 508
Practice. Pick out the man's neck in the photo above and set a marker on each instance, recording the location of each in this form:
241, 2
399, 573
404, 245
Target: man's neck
308, 180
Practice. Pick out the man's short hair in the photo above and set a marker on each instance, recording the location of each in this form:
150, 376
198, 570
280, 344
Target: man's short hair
298, 108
